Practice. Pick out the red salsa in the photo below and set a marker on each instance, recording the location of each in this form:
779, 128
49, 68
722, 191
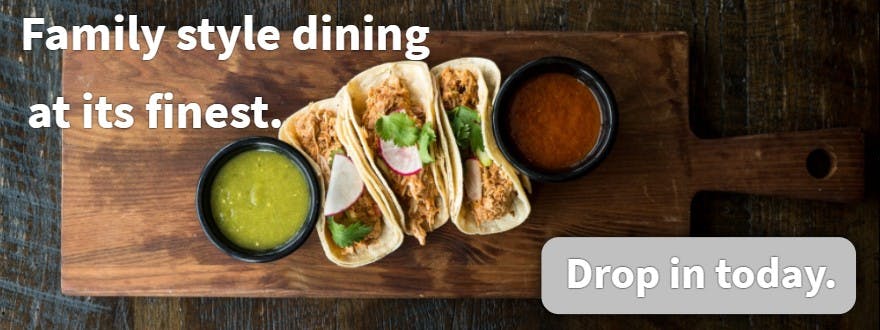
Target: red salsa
554, 121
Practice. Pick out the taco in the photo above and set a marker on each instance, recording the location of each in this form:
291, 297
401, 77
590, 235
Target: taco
489, 196
358, 226
392, 111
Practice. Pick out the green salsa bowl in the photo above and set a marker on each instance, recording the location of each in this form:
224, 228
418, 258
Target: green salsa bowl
258, 199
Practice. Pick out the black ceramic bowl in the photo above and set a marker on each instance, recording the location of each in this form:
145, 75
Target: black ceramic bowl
590, 78
203, 198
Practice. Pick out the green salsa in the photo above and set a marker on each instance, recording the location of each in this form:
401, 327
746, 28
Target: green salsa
259, 199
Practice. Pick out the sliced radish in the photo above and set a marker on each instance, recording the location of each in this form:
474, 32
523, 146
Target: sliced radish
345, 186
473, 182
401, 160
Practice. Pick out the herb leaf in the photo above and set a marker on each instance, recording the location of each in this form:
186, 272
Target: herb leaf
426, 137
465, 124
346, 236
399, 128
476, 139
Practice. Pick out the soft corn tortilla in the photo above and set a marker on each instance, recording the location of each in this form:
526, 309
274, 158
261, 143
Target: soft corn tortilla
488, 79
391, 236
421, 86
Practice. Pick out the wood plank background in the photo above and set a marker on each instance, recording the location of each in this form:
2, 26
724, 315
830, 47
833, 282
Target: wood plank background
756, 67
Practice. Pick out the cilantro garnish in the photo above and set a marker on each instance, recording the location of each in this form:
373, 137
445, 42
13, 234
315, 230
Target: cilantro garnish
400, 129
426, 137
346, 236
466, 128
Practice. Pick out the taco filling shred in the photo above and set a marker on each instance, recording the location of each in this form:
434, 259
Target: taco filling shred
361, 223
391, 115
495, 197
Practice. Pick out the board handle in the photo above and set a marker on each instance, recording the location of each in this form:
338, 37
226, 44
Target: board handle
825, 165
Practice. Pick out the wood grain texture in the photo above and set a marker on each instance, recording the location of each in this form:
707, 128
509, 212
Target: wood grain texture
776, 164
757, 66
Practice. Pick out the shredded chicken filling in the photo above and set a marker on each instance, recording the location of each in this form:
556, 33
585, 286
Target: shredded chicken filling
417, 194
497, 196
459, 88
316, 133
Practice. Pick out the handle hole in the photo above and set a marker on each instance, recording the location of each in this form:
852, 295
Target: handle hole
821, 163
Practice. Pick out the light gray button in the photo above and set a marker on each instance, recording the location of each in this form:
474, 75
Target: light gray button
698, 275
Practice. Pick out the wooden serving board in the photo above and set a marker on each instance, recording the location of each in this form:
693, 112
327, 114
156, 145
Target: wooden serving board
129, 225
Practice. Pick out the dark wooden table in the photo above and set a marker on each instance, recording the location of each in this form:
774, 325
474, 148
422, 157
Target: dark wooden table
756, 67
